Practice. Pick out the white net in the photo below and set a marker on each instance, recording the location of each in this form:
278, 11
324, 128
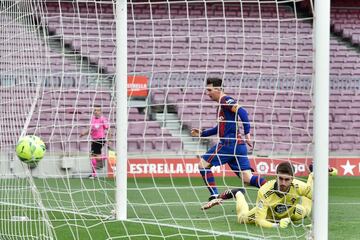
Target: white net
263, 52
58, 65
50, 90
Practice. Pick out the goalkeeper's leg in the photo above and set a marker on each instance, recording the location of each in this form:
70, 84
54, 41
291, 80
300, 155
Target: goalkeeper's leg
242, 209
302, 209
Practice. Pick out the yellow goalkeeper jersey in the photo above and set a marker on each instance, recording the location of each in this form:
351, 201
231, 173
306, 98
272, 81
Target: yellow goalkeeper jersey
272, 205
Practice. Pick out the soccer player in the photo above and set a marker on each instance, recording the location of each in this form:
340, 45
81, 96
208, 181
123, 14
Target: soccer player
332, 171
231, 148
278, 202
98, 127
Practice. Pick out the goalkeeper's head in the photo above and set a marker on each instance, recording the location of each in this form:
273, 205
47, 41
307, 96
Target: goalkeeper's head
285, 175
214, 88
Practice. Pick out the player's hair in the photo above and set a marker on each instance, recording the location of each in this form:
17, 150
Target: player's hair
216, 82
97, 106
285, 168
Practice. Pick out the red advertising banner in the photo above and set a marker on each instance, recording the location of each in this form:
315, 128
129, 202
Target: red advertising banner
346, 166
188, 167
137, 86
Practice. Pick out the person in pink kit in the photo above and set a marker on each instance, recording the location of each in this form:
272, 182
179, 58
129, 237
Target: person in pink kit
99, 128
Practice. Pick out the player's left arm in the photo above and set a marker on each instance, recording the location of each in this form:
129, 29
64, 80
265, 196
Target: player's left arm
309, 183
106, 126
309, 186
262, 206
109, 137
243, 115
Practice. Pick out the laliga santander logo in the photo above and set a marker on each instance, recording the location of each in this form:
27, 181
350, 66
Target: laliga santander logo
265, 167
262, 168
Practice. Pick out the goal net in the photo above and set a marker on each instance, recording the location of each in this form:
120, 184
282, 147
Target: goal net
57, 68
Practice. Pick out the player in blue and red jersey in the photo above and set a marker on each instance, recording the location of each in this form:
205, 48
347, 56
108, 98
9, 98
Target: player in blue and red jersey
231, 148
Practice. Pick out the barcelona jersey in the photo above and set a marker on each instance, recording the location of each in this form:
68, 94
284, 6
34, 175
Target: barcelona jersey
227, 119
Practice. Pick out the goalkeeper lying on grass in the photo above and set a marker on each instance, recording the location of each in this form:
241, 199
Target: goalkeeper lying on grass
278, 202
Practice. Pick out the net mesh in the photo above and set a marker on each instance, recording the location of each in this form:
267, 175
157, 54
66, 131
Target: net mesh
58, 64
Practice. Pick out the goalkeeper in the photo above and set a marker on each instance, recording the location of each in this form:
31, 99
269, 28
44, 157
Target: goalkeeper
278, 202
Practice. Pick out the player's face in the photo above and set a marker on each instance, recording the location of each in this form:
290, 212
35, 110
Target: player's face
284, 182
97, 112
213, 92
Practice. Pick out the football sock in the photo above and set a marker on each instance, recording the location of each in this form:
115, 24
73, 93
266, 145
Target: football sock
209, 180
93, 166
257, 181
228, 194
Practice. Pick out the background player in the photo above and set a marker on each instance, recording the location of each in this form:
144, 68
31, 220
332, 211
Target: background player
278, 202
99, 125
332, 171
231, 148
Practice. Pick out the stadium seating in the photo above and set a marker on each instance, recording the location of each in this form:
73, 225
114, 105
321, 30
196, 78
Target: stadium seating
345, 22
176, 50
27, 55
73, 117
259, 36
280, 121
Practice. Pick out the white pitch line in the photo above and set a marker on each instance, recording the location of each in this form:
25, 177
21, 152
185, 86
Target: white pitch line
212, 232
349, 203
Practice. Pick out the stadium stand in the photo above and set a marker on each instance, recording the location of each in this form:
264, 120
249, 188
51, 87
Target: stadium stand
345, 23
36, 58
187, 52
74, 114
344, 61
279, 114
181, 52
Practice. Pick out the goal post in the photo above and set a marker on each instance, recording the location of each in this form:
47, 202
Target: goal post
321, 118
121, 109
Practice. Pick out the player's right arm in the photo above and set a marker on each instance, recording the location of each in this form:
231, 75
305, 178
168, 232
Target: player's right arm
262, 207
304, 189
307, 189
84, 133
195, 132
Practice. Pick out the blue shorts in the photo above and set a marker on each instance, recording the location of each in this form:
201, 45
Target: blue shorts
234, 154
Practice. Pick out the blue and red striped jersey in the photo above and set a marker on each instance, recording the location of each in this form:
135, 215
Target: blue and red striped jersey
228, 128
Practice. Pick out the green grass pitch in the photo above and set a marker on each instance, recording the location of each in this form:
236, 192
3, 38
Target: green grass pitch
170, 214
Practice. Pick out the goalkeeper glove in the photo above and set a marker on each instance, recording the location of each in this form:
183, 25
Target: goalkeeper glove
333, 171
284, 222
